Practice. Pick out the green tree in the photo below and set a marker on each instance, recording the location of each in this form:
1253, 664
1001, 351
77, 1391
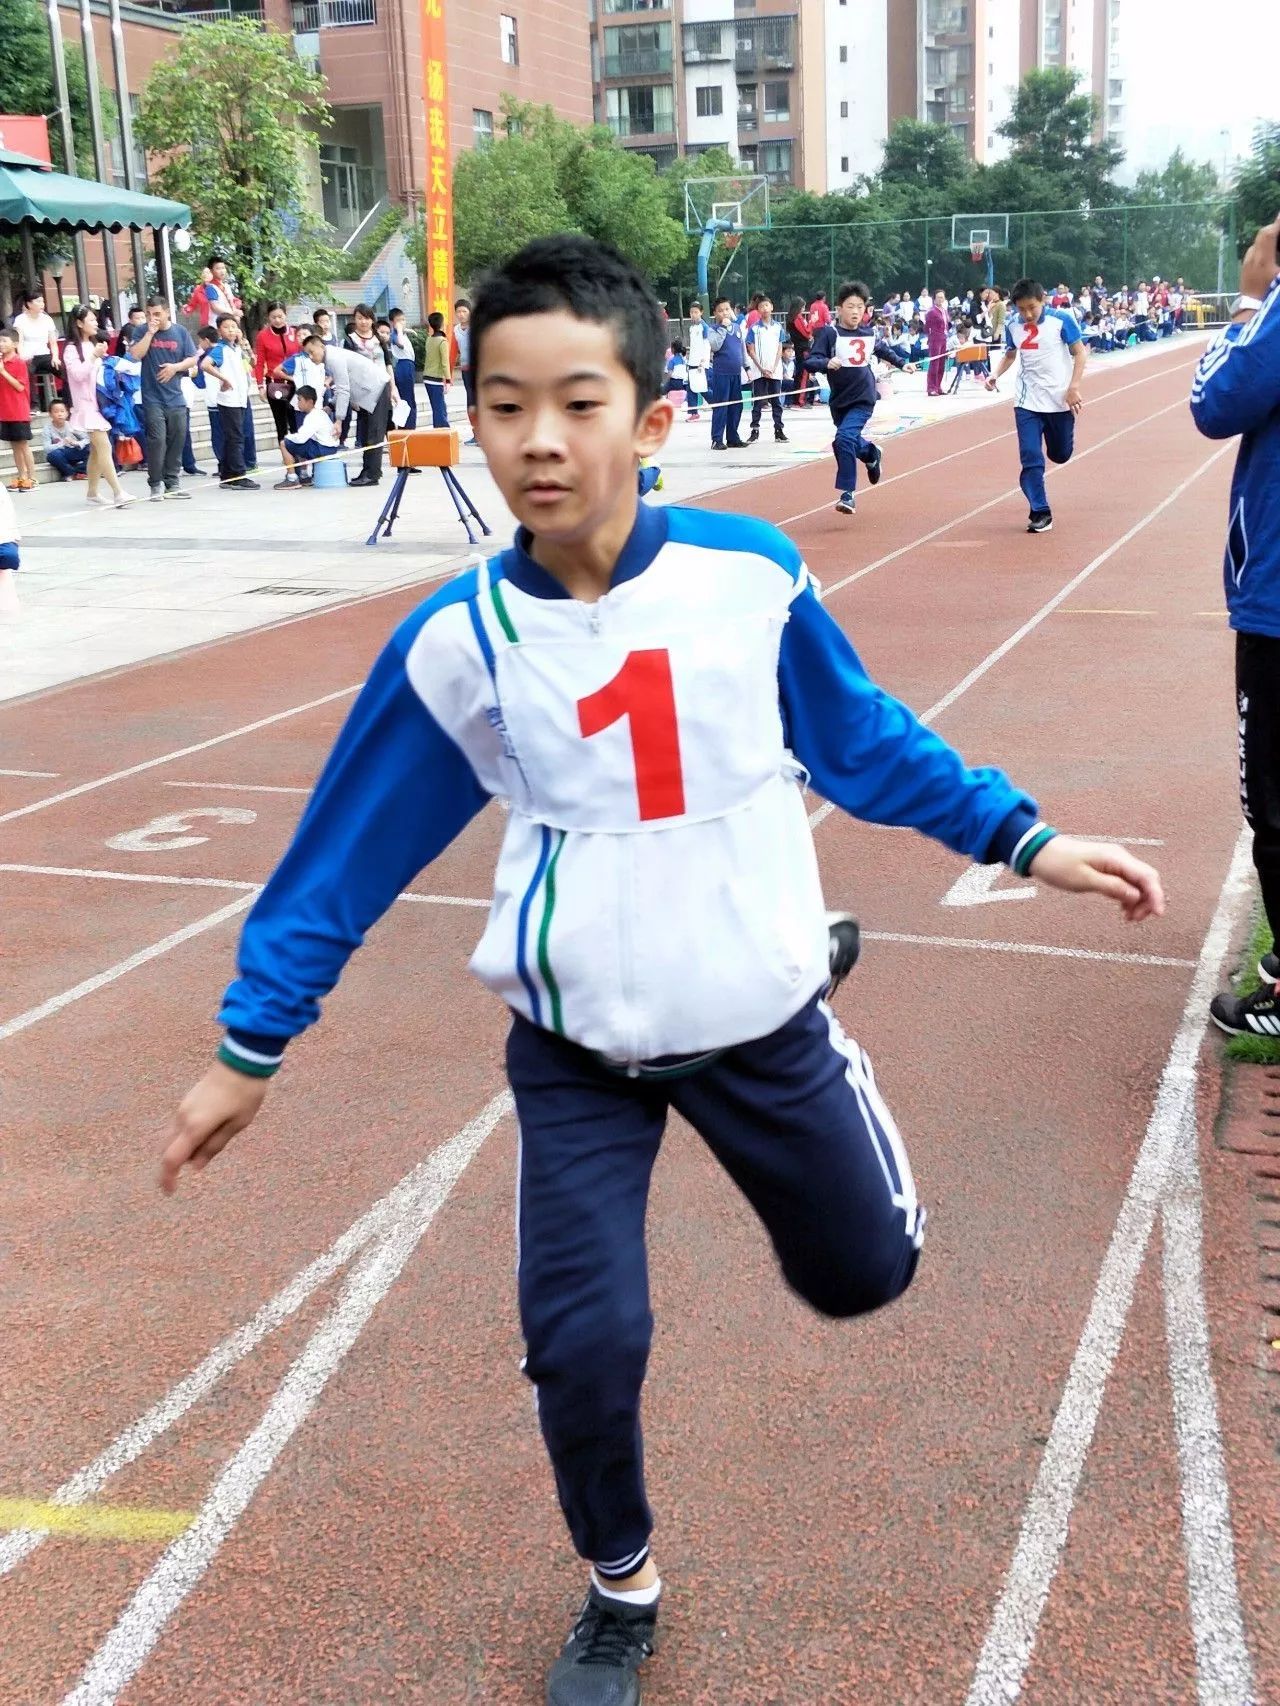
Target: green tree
548, 175
1256, 190
503, 195
228, 109
923, 157
1051, 123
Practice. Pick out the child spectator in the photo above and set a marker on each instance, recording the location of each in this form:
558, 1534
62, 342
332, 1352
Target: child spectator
314, 436
224, 366
66, 448
132, 328
676, 378
15, 411
406, 366
323, 322
436, 370
697, 362
788, 372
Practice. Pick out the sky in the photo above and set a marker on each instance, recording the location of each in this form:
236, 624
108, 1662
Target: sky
1194, 70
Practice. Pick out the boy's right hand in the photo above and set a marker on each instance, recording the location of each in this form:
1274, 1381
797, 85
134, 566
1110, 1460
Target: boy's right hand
223, 1103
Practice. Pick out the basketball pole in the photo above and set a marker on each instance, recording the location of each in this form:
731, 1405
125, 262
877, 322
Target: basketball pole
710, 231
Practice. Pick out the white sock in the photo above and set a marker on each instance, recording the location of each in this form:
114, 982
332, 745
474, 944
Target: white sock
627, 1596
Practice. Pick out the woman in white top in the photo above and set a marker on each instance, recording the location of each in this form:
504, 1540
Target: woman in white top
37, 341
84, 368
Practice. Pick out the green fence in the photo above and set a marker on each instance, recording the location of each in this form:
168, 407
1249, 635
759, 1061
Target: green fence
1186, 240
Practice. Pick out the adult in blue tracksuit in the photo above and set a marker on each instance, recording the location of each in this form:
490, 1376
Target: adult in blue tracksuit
1237, 390
845, 351
724, 381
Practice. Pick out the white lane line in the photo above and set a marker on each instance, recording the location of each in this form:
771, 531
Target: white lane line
1000, 497
181, 1566
55, 1004
164, 880
1113, 959
240, 787
1011, 1636
47, 775
1224, 1672
86, 1483
1032, 623
181, 752
982, 443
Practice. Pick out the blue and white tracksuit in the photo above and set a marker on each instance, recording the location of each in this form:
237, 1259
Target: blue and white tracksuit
1045, 423
1237, 390
853, 391
657, 928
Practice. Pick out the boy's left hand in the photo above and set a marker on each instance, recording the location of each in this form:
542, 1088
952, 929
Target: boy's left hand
1075, 399
1100, 867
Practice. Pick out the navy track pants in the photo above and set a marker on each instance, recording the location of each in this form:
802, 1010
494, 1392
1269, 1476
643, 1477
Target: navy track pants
797, 1122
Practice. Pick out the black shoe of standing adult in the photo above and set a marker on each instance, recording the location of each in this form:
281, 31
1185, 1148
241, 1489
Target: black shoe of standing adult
362, 480
753, 436
606, 1647
737, 444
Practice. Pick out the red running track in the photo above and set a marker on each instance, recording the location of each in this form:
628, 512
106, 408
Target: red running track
846, 1514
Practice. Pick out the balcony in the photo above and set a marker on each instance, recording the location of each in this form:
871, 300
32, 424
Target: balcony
705, 44
219, 15
644, 62
629, 126
748, 119
312, 15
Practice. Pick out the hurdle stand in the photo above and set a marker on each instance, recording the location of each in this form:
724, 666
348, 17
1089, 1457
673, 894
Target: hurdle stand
426, 447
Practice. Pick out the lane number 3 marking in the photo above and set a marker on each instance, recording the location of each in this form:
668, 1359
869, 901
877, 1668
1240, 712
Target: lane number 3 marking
173, 831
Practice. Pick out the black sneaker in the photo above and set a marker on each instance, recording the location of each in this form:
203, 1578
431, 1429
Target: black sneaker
874, 469
1256, 1015
780, 437
845, 504
606, 1647
1040, 521
1269, 968
172, 492
844, 945
753, 436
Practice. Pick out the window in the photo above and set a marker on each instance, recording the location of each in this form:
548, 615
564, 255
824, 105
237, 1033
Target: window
642, 110
844, 109
844, 56
844, 158
481, 126
748, 113
508, 39
777, 102
709, 101
637, 50
775, 161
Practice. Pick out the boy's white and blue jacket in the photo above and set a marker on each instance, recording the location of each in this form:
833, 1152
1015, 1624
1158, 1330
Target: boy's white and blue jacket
657, 890
1237, 390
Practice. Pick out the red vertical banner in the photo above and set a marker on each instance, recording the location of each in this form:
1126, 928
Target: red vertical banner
438, 205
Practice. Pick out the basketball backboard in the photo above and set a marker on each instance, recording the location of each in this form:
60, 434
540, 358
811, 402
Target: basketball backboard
971, 231
727, 204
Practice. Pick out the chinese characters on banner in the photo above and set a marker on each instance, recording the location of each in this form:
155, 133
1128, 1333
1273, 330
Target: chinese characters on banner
438, 207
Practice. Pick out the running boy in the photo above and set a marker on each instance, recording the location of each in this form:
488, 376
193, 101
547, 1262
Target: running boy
1048, 345
657, 928
844, 350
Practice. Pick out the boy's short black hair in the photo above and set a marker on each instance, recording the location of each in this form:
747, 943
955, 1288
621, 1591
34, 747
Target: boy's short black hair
394, 311
309, 392
677, 348
855, 287
436, 322
223, 318
207, 335
318, 312
136, 308
718, 301
157, 302
312, 338
362, 311
214, 259
589, 280
1027, 290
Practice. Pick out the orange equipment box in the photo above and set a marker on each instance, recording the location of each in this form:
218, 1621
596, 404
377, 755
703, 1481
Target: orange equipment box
424, 447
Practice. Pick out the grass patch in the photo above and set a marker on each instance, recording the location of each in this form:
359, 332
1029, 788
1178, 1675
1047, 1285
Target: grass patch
1260, 1050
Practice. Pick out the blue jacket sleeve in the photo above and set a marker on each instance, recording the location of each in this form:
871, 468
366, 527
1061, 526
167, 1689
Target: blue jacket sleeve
886, 352
395, 791
821, 350
1237, 382
870, 755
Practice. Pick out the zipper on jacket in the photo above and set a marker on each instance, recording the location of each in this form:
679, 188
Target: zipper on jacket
626, 949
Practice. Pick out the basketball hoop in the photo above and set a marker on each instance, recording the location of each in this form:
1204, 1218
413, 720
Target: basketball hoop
977, 251
732, 239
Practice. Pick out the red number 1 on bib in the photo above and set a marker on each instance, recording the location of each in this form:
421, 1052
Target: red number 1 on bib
642, 692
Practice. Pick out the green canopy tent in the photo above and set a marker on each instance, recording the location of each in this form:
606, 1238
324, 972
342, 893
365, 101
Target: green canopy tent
32, 198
